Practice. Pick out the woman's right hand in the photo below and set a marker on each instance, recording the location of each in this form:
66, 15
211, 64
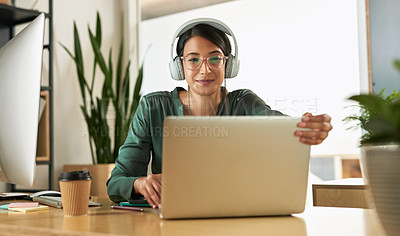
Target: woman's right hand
150, 188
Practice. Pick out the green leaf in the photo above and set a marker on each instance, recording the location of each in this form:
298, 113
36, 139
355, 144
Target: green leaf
98, 54
107, 91
78, 50
79, 64
119, 112
126, 90
374, 104
98, 29
394, 97
136, 95
121, 109
103, 142
98, 39
378, 125
66, 49
397, 64
379, 117
119, 69
80, 75
138, 85
110, 76
88, 123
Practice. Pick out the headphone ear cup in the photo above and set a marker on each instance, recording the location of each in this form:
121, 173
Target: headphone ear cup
176, 69
235, 67
179, 68
229, 66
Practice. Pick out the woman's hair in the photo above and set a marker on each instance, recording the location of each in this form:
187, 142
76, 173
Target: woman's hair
208, 32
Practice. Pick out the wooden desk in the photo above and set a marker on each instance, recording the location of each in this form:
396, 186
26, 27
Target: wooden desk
349, 192
103, 220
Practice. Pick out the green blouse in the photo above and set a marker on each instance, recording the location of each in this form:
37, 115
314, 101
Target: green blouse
145, 134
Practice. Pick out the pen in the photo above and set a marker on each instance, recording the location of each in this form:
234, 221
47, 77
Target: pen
127, 208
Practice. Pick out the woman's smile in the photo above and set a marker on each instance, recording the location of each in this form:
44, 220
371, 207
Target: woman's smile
205, 81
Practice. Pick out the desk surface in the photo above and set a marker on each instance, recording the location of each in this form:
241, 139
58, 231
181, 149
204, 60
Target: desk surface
103, 220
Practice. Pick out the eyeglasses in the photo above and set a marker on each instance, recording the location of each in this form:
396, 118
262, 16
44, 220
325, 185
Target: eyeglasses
194, 62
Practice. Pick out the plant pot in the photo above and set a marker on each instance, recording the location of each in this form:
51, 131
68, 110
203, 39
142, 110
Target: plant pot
382, 169
100, 174
363, 165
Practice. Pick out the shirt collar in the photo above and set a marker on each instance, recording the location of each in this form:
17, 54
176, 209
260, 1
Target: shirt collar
222, 107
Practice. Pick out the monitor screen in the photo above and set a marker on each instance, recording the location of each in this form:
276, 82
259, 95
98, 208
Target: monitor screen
20, 76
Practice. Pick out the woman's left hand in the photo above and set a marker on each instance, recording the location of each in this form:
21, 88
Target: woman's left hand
320, 126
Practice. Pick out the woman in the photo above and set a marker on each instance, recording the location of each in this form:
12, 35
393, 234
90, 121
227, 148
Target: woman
204, 60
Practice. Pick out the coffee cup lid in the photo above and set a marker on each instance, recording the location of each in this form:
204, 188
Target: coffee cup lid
75, 175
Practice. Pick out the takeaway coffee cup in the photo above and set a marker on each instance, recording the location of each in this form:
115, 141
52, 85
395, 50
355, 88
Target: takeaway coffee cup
75, 192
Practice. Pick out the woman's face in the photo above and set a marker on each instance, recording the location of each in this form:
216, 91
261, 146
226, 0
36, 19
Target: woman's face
203, 81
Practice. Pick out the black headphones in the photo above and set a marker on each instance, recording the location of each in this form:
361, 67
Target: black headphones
232, 64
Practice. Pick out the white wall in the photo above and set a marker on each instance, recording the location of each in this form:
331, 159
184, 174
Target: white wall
299, 56
70, 131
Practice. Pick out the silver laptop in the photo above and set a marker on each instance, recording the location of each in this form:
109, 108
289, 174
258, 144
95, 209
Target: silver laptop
233, 166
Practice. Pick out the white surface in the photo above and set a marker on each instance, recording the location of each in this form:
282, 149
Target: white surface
44, 193
20, 75
299, 56
333, 221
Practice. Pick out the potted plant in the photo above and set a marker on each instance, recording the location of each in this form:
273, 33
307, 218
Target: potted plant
115, 95
379, 117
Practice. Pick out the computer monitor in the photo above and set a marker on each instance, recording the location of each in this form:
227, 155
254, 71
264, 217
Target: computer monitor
20, 76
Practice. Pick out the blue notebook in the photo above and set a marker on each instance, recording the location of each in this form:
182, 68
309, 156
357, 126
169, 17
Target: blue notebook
134, 204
